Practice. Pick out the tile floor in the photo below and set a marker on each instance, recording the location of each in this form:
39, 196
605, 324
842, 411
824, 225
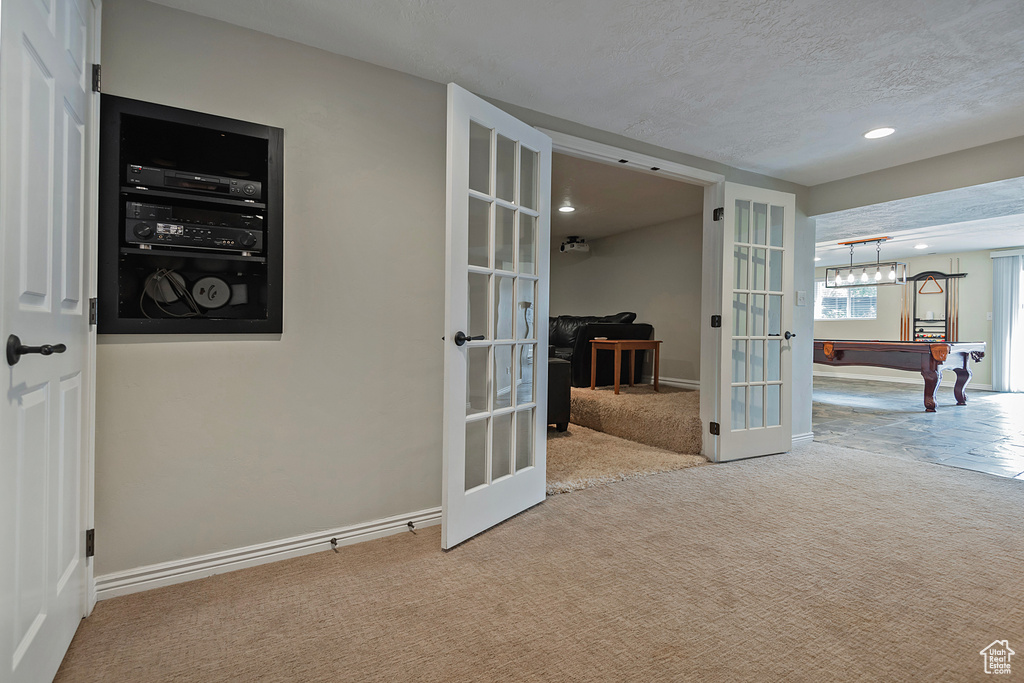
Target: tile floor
986, 435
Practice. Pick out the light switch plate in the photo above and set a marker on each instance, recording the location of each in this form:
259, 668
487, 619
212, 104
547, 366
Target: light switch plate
988, 316
801, 298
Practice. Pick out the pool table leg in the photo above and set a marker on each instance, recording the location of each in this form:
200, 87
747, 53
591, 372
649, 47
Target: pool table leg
963, 376
932, 379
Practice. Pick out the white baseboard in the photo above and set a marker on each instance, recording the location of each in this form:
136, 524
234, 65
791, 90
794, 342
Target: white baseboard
681, 383
799, 439
189, 569
909, 378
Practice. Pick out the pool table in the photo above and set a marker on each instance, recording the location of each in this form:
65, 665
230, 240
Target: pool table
929, 358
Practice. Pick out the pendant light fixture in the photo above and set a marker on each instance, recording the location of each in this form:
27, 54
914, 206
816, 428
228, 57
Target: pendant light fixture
897, 270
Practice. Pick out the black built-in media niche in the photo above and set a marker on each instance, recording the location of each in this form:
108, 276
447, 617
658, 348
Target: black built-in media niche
190, 222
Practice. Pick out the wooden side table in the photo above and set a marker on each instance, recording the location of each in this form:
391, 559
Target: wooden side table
618, 346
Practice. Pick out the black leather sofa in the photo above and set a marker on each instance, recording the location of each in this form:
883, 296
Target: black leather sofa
569, 339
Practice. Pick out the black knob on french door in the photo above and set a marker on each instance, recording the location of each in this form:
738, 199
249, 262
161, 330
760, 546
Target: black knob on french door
15, 349
790, 335
461, 338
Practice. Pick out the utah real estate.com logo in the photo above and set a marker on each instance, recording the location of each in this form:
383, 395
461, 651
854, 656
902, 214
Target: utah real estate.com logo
997, 657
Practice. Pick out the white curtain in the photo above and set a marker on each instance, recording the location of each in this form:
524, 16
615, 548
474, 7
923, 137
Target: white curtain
1007, 324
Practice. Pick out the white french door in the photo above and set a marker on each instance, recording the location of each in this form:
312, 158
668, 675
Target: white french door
755, 393
47, 131
496, 311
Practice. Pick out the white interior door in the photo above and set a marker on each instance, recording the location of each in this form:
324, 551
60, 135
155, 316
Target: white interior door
755, 392
495, 369
46, 124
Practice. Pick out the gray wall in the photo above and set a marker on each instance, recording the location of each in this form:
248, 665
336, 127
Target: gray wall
206, 445
653, 271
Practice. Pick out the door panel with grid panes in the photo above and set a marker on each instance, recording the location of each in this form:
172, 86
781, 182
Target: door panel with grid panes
755, 400
499, 172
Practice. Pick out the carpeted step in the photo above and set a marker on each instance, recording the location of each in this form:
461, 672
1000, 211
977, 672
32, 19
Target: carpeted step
668, 419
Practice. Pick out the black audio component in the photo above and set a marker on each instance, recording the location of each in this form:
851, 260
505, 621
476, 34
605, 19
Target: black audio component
192, 228
169, 179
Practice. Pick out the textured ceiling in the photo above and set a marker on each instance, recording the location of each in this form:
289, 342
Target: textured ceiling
989, 216
611, 199
784, 88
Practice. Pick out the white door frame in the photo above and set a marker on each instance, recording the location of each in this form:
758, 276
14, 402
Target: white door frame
711, 261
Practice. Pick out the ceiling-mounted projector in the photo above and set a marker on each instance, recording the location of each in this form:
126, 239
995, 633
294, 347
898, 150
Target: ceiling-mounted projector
574, 243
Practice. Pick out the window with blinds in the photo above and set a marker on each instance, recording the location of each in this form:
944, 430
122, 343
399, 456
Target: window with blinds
845, 303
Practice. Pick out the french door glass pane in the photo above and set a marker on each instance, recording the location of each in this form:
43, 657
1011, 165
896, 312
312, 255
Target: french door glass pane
503, 307
778, 216
756, 406
479, 158
504, 238
773, 404
478, 298
528, 178
757, 314
757, 266
525, 328
774, 314
502, 376
740, 258
742, 221
505, 181
775, 270
476, 453
739, 315
524, 438
477, 385
756, 361
501, 446
739, 407
760, 223
527, 244
773, 360
479, 232
525, 381
739, 361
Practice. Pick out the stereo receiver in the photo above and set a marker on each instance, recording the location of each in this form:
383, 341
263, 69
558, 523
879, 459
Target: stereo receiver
148, 224
188, 181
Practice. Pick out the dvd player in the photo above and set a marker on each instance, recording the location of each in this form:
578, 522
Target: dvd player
188, 181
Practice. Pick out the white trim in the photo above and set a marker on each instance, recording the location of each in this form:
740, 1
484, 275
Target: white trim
799, 439
914, 378
596, 151
1008, 252
189, 569
693, 384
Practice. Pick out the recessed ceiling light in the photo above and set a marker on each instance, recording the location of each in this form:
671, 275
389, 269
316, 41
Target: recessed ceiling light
920, 246
879, 133
817, 258
567, 209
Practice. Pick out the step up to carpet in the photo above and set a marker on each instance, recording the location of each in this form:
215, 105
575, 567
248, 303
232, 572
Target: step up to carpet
668, 419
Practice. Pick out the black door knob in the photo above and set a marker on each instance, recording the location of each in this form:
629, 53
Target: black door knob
461, 338
790, 335
15, 349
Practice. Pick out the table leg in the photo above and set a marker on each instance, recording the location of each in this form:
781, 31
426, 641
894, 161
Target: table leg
932, 379
657, 363
632, 365
618, 367
963, 376
593, 368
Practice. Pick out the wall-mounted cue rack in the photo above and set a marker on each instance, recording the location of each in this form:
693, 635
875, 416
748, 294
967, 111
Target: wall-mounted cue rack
190, 222
916, 325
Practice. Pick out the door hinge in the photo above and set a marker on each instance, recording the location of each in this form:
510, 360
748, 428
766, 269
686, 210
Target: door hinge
715, 428
90, 542
92, 311
716, 321
718, 214
97, 78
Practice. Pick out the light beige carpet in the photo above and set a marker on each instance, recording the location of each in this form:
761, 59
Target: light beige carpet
579, 458
668, 419
825, 564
